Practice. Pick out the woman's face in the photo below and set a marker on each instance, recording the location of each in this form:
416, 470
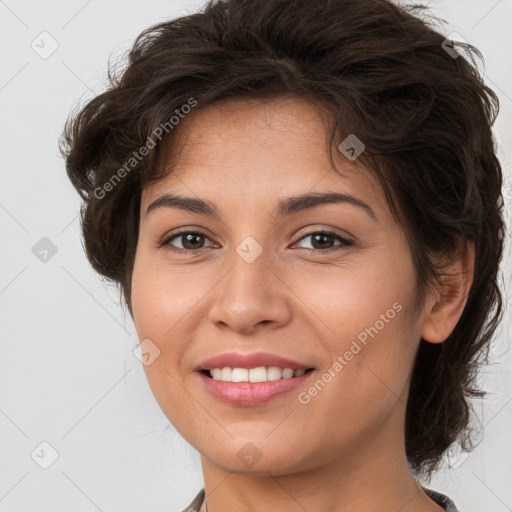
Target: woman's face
265, 279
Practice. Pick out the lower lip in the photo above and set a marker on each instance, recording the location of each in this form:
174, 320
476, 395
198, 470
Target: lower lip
251, 393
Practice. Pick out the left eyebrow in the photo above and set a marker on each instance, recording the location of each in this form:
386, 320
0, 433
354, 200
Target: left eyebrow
285, 207
308, 201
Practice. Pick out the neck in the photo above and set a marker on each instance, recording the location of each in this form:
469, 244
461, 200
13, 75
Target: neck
374, 478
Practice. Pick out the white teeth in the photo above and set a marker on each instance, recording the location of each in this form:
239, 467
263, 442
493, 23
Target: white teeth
287, 373
274, 373
240, 375
259, 374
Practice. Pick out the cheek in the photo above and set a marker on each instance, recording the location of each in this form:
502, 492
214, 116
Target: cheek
160, 297
166, 306
365, 384
367, 329
159, 310
342, 301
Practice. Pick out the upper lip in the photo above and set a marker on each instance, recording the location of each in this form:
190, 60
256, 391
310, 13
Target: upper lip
250, 360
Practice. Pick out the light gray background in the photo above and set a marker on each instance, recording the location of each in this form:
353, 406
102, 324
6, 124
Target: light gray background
67, 373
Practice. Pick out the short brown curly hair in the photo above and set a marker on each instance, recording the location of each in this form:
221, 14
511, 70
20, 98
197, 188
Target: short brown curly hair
423, 113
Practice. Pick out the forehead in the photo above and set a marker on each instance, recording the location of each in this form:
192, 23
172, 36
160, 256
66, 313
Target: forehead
258, 148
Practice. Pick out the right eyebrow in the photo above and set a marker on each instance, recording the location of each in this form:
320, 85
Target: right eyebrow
184, 203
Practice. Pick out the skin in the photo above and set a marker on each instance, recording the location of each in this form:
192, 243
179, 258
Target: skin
245, 156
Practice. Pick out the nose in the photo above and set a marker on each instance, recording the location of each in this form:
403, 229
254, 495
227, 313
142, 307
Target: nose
250, 294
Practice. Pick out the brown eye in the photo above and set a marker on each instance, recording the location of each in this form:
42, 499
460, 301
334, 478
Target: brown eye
190, 240
322, 241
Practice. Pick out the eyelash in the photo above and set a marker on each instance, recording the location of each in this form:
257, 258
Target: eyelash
344, 242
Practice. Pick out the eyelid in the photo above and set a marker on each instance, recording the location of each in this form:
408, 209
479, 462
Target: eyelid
345, 242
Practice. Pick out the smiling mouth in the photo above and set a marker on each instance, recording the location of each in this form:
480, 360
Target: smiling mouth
262, 375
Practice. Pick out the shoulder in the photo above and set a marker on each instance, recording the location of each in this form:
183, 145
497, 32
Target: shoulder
196, 502
441, 499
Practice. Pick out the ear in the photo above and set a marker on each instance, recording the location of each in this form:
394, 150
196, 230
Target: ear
443, 311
